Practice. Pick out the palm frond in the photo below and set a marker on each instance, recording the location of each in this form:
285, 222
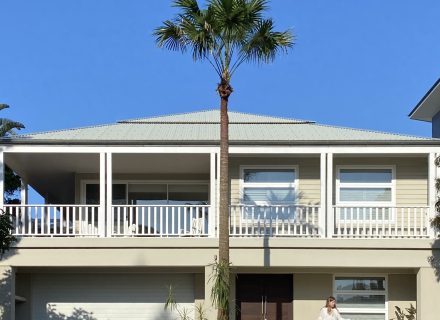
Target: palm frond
7, 126
3, 106
264, 44
171, 36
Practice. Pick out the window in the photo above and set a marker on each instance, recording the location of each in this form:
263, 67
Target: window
269, 186
138, 193
361, 297
364, 193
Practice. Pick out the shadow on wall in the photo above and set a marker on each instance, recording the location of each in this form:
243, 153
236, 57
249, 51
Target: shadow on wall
434, 259
77, 314
5, 293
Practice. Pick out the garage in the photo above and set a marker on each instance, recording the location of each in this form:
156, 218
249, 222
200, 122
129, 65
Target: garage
101, 296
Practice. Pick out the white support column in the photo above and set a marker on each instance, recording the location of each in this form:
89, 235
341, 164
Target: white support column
24, 190
2, 179
101, 212
322, 209
329, 196
217, 211
7, 292
432, 170
109, 178
213, 196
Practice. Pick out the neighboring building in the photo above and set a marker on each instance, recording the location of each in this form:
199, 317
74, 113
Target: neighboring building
132, 207
428, 109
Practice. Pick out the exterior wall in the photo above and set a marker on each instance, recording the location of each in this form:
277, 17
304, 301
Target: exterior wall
23, 282
402, 291
308, 168
436, 126
309, 293
411, 177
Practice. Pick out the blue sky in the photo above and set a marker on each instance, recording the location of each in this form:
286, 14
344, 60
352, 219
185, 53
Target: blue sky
75, 63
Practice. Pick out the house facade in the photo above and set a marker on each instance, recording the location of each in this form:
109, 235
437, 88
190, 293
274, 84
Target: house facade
131, 208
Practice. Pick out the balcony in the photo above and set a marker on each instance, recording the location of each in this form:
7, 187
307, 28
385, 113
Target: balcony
294, 221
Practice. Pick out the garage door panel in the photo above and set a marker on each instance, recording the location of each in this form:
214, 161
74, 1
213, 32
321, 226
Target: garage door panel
108, 296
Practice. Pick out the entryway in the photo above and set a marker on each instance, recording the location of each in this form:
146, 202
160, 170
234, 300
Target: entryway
264, 297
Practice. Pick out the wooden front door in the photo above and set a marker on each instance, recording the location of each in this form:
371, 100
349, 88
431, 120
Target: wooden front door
264, 297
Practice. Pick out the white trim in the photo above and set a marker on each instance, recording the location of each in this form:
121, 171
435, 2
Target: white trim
293, 185
109, 149
352, 149
24, 192
383, 311
355, 149
432, 192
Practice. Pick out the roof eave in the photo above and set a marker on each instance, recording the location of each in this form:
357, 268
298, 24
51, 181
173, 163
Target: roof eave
428, 106
216, 142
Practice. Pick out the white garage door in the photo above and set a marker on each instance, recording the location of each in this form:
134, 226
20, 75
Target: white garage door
109, 296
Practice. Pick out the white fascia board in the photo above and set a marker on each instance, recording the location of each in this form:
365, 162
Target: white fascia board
112, 149
335, 150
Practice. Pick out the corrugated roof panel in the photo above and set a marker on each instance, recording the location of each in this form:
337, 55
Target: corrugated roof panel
156, 132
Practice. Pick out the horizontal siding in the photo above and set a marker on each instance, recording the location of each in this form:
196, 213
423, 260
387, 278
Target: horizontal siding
108, 296
309, 184
411, 176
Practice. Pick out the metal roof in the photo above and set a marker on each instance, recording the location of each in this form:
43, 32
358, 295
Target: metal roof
203, 127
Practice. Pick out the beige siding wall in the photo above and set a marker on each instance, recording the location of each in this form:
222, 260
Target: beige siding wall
402, 292
309, 294
309, 185
411, 176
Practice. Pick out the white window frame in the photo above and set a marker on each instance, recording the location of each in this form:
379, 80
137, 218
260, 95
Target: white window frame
381, 204
127, 182
383, 311
243, 184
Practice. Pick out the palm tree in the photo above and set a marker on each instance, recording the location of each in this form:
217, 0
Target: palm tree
226, 33
12, 182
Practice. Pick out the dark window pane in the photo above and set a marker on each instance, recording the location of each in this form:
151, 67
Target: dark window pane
269, 175
119, 194
92, 193
147, 194
360, 283
365, 175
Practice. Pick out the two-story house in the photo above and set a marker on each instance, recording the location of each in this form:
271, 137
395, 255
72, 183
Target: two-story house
132, 207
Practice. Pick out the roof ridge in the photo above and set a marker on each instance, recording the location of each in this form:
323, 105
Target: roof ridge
163, 115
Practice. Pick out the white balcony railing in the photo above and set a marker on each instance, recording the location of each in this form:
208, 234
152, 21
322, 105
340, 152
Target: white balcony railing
160, 220
381, 222
274, 221
54, 220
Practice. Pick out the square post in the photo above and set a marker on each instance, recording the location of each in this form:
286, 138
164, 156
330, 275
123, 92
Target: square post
329, 198
24, 190
109, 178
432, 192
213, 196
2, 179
323, 181
101, 211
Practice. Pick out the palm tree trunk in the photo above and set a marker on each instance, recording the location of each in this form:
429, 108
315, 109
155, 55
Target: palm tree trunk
224, 90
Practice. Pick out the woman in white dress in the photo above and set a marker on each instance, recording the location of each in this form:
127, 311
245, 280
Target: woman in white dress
330, 312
